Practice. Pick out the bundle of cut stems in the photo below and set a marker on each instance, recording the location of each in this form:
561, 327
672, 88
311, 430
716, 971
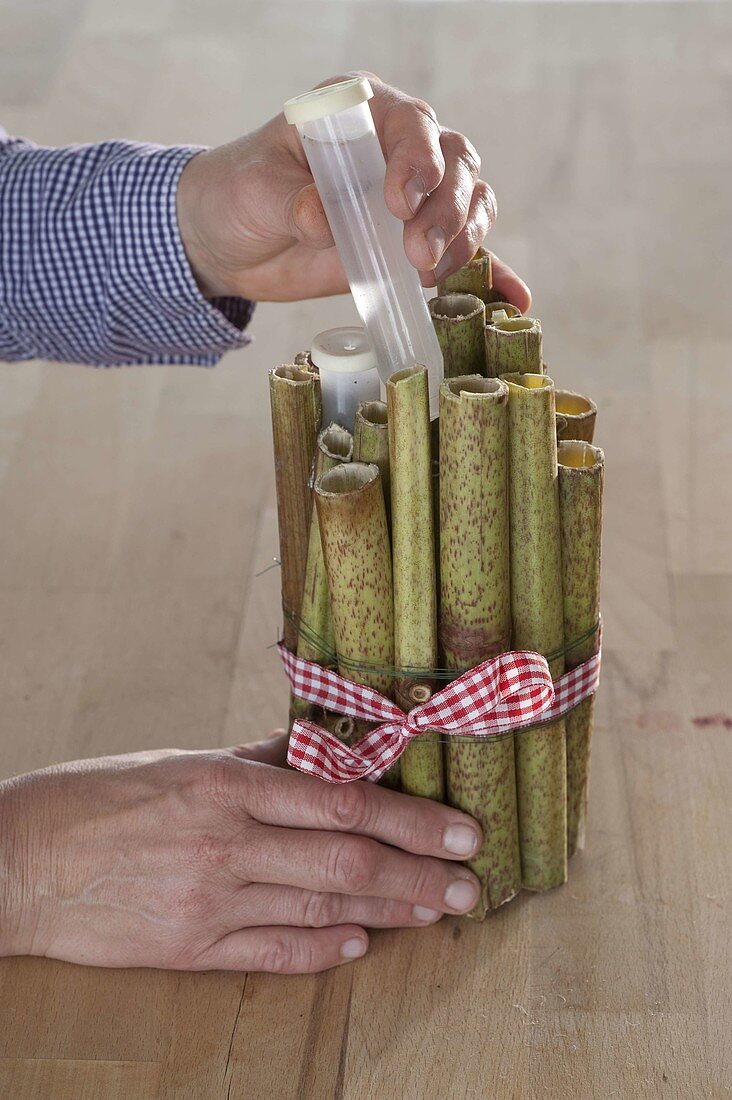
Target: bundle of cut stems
579, 414
293, 401
538, 621
513, 346
351, 590
415, 599
475, 613
352, 518
459, 321
315, 641
475, 277
581, 471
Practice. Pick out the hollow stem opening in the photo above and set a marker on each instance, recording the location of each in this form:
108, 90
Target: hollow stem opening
336, 442
456, 307
515, 324
578, 455
573, 404
528, 381
292, 373
473, 383
373, 412
347, 478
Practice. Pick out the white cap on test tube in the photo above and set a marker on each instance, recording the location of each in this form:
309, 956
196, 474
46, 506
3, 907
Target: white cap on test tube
321, 102
348, 371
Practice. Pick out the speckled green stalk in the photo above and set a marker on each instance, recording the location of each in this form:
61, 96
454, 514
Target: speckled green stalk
579, 414
459, 321
538, 621
436, 508
476, 277
304, 362
357, 555
315, 641
581, 476
371, 444
415, 596
475, 613
513, 346
293, 402
371, 441
392, 777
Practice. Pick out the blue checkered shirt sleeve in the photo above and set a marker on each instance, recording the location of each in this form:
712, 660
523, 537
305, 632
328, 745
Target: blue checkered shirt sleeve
92, 266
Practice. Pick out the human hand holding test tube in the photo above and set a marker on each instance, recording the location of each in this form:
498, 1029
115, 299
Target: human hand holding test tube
253, 224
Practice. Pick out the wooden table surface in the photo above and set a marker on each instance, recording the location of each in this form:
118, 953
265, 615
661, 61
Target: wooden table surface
138, 510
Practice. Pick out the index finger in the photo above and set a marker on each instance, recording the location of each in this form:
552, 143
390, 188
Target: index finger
418, 825
410, 138
510, 285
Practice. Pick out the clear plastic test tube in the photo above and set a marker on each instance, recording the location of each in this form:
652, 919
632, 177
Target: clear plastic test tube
340, 142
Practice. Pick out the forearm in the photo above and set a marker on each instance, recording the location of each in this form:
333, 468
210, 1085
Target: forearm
92, 265
14, 879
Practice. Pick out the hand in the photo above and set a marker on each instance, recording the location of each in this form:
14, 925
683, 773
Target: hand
253, 225
215, 860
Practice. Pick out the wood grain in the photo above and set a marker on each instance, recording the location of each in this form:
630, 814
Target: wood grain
138, 510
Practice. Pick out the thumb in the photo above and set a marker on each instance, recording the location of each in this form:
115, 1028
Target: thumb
308, 221
273, 750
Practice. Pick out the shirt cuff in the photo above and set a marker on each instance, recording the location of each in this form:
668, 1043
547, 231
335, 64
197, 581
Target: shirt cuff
176, 324
238, 311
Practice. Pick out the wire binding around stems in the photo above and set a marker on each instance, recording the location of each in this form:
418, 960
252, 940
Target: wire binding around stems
329, 655
511, 692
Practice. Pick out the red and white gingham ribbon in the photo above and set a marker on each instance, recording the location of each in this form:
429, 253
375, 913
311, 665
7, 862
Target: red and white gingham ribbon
508, 692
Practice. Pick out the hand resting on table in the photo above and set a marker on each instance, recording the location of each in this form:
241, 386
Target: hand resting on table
219, 860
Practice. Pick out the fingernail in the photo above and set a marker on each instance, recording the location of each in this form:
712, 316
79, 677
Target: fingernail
443, 268
414, 192
461, 895
353, 949
461, 840
436, 240
421, 912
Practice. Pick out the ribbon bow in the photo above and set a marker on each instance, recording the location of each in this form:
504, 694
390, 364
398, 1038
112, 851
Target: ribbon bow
508, 692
